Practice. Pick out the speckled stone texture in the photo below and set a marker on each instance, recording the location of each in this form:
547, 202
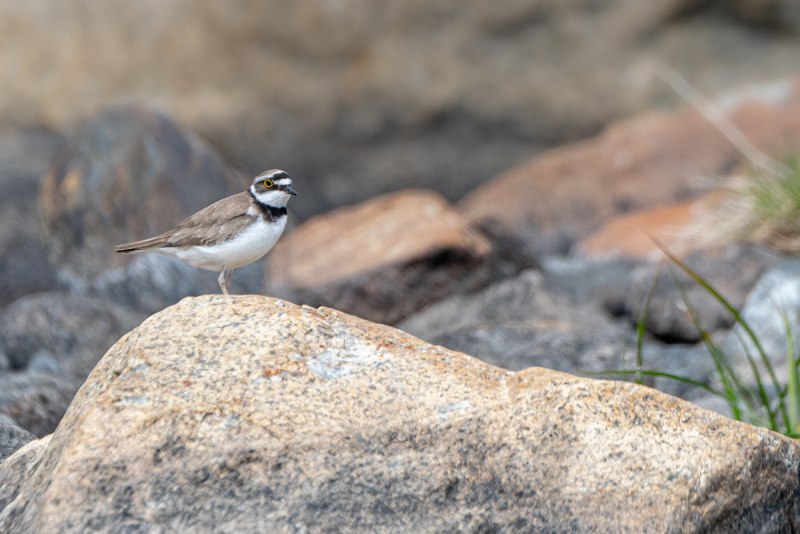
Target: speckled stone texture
249, 414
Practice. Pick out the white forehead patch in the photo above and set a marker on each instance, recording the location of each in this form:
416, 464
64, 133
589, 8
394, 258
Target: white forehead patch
283, 181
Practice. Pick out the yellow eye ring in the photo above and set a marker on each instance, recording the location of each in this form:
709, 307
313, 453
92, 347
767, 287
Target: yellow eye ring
269, 184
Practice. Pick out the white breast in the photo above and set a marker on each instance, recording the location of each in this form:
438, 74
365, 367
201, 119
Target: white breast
247, 247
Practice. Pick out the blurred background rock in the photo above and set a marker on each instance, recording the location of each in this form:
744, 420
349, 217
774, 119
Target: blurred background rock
359, 97
526, 127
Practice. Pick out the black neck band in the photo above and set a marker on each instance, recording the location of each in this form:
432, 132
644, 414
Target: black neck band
274, 212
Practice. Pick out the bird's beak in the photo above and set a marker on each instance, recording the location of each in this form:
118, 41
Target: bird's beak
291, 191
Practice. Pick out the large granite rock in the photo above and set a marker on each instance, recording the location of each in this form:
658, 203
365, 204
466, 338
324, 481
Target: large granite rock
16, 471
251, 414
565, 194
381, 97
382, 259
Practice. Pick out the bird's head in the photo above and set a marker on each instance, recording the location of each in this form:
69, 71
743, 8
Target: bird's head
273, 188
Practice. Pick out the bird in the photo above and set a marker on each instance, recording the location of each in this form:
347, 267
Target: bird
230, 233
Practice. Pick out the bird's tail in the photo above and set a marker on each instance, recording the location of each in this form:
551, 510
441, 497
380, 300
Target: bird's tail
143, 245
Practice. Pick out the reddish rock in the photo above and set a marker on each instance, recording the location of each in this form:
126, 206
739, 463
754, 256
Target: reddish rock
633, 235
655, 158
381, 259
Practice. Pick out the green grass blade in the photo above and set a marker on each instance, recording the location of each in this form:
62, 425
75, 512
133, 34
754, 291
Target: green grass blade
735, 314
641, 322
726, 375
718, 357
762, 391
793, 386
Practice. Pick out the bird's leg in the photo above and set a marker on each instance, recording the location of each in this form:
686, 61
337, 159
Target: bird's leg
228, 280
224, 281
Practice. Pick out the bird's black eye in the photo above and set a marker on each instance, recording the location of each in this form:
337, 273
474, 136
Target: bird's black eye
268, 183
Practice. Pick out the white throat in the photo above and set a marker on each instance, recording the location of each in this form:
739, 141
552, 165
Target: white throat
276, 199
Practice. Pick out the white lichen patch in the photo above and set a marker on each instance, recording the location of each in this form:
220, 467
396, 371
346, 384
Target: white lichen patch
446, 410
354, 357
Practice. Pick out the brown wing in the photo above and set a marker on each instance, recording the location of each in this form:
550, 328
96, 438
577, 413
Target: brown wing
218, 222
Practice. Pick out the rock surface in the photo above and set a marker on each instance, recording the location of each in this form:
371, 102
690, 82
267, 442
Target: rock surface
18, 469
24, 157
633, 235
12, 437
77, 330
565, 194
732, 269
36, 399
247, 413
519, 323
52, 341
382, 259
606, 282
545, 319
777, 292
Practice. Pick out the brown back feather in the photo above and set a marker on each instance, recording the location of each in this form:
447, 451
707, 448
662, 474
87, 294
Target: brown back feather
207, 226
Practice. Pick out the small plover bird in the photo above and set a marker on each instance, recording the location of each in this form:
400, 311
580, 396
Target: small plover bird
230, 233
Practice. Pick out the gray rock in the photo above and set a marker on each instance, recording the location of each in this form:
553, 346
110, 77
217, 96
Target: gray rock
56, 338
555, 319
5, 361
28, 269
75, 330
45, 361
36, 400
732, 269
24, 156
580, 280
152, 281
12, 437
249, 414
689, 361
517, 323
776, 292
